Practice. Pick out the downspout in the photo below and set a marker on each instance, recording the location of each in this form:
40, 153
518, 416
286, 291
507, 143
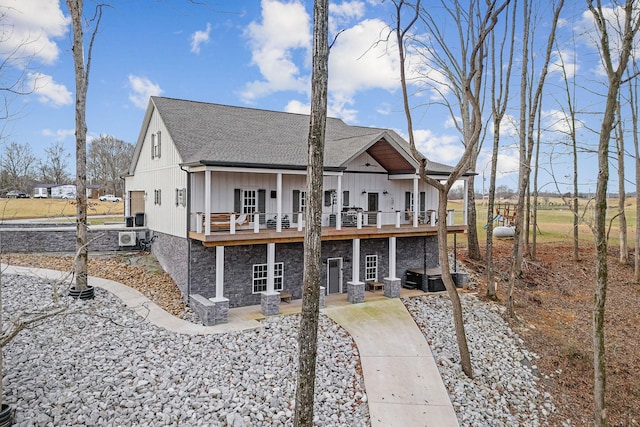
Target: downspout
188, 196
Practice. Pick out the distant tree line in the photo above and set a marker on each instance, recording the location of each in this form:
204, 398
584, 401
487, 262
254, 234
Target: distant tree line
107, 159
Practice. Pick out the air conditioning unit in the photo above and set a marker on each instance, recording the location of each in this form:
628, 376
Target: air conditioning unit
127, 238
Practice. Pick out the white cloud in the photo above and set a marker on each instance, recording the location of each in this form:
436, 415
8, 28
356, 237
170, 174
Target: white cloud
200, 37
359, 61
48, 91
297, 107
142, 88
445, 149
285, 31
566, 59
558, 122
59, 134
341, 14
35, 24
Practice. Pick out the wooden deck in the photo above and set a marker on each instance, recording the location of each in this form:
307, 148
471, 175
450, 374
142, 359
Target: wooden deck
266, 235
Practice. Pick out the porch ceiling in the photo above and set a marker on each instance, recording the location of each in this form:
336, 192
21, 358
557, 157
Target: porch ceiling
389, 158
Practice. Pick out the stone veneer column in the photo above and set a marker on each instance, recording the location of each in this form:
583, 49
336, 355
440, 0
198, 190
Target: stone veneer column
392, 287
270, 303
355, 292
220, 310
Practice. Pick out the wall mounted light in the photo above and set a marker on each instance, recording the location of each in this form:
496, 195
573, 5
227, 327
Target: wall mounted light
364, 191
385, 192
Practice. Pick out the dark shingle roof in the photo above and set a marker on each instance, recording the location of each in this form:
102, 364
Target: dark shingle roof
204, 132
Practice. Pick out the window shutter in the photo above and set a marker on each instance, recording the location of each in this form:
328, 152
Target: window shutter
345, 198
237, 201
153, 145
407, 204
177, 197
422, 202
327, 198
262, 196
296, 205
159, 141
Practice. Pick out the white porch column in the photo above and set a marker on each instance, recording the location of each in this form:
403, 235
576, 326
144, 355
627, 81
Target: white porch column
355, 288
355, 265
271, 260
392, 284
416, 201
392, 258
207, 202
279, 202
219, 272
270, 299
339, 207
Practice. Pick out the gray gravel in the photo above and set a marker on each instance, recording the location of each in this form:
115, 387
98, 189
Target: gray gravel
504, 390
107, 367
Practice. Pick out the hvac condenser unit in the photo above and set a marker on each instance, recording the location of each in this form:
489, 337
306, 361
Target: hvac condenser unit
127, 238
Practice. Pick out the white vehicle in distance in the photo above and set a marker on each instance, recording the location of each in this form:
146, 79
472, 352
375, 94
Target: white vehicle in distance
110, 198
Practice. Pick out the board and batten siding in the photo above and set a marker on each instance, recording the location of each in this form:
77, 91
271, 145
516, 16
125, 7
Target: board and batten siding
223, 185
161, 173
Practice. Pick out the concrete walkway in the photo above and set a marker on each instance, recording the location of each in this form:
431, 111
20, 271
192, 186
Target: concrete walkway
404, 387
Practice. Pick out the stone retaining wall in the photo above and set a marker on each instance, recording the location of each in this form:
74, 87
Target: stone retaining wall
48, 238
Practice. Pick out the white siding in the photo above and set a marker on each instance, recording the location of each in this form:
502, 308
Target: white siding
163, 174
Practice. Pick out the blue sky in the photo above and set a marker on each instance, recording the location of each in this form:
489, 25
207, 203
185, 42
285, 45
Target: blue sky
245, 53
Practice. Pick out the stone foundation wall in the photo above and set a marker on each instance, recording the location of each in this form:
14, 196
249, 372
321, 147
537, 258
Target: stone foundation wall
173, 255
239, 261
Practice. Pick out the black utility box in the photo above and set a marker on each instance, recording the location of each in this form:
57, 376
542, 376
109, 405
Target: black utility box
429, 280
140, 219
129, 220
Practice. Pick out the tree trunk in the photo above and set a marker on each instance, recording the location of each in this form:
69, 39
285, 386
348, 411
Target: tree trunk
452, 291
630, 25
308, 335
622, 218
82, 251
472, 220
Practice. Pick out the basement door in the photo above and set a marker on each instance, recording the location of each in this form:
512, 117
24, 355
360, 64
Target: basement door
334, 275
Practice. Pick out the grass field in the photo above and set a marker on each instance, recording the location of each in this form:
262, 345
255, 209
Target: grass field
55, 209
555, 221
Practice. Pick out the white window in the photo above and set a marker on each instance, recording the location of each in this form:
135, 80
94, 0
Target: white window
157, 197
249, 201
371, 268
260, 277
155, 145
181, 197
303, 201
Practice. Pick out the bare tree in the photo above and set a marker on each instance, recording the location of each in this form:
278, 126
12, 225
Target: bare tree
107, 160
18, 164
53, 169
465, 74
82, 70
499, 102
626, 27
633, 107
622, 217
528, 113
308, 334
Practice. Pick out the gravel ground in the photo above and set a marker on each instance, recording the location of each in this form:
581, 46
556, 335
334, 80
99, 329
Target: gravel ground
106, 366
100, 364
504, 390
